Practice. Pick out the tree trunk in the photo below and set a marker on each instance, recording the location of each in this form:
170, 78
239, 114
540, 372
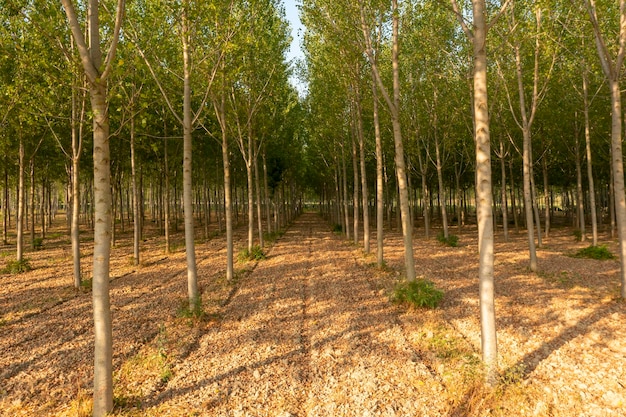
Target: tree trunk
364, 195
546, 188
483, 191
133, 173
355, 192
5, 205
220, 111
617, 165
505, 209
533, 196
192, 275
345, 192
580, 210
32, 202
592, 191
380, 202
267, 195
166, 202
20, 204
259, 208
425, 195
442, 194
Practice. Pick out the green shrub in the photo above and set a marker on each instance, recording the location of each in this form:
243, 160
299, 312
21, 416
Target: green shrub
38, 243
578, 234
420, 293
451, 240
256, 254
17, 267
337, 228
594, 252
272, 237
86, 284
185, 310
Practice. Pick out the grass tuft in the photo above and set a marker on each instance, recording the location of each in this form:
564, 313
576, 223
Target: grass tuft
594, 252
38, 243
17, 267
256, 254
419, 293
451, 240
272, 237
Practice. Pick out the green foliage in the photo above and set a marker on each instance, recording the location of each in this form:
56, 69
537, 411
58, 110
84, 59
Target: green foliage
17, 267
272, 237
337, 228
513, 375
38, 243
194, 311
451, 240
420, 293
578, 235
256, 254
594, 252
86, 284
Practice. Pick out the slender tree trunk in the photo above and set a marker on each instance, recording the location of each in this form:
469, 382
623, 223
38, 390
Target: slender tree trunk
136, 223
528, 205
426, 195
220, 110
75, 225
534, 199
250, 207
592, 191
5, 205
355, 192
505, 209
380, 202
617, 164
484, 196
20, 204
267, 195
103, 384
546, 198
364, 195
259, 208
192, 275
393, 103
580, 211
32, 202
166, 198
442, 193
345, 193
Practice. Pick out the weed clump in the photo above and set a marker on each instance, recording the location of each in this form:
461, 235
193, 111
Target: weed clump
451, 240
337, 228
594, 252
256, 254
272, 237
189, 310
38, 243
17, 267
420, 293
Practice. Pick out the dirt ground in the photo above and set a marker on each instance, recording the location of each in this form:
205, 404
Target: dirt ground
310, 331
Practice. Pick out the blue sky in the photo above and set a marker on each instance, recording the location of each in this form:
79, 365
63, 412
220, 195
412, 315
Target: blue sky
297, 32
296, 28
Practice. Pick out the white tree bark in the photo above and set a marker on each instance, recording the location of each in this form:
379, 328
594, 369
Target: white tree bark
190, 248
97, 73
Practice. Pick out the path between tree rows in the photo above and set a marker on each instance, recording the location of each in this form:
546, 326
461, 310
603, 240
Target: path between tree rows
307, 334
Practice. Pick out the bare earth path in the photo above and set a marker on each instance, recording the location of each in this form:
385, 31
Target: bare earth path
311, 336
